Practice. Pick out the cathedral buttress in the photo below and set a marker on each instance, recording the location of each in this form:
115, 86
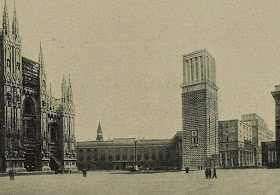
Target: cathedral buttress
43, 111
68, 117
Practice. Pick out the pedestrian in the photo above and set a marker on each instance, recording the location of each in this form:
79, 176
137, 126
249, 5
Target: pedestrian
11, 174
214, 173
187, 169
206, 172
209, 172
84, 172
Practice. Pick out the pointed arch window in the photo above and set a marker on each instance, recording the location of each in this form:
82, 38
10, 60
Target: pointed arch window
8, 63
9, 99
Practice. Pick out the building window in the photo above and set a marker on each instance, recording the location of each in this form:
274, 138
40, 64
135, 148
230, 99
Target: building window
124, 157
8, 63
160, 157
192, 70
227, 139
194, 137
146, 156
154, 157
139, 157
196, 67
9, 98
201, 64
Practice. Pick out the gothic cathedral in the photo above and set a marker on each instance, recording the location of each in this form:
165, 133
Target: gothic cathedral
36, 129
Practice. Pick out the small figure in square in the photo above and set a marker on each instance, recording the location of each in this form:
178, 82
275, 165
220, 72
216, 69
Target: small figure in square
206, 172
214, 173
12, 174
209, 172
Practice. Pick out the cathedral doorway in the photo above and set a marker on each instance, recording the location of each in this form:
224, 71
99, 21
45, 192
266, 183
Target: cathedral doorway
29, 118
32, 144
30, 162
54, 132
29, 107
56, 158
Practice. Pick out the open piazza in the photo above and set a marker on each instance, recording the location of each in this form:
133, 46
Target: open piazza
231, 181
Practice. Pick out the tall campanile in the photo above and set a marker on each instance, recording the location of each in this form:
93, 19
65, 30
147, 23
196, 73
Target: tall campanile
199, 110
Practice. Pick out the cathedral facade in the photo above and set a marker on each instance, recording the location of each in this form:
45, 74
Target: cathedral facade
36, 129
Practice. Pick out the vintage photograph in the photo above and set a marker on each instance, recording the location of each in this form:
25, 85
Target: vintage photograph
139, 97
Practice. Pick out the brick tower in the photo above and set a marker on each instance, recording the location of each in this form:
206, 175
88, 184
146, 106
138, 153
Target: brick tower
200, 144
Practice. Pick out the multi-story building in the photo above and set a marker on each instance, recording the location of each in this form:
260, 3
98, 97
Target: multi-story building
271, 150
37, 130
121, 153
235, 143
200, 144
260, 134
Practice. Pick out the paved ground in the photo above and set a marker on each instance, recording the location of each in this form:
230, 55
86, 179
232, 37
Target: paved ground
250, 181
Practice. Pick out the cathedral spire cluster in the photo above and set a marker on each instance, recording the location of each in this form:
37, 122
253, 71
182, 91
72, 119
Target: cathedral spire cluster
66, 94
6, 26
15, 30
5, 20
41, 58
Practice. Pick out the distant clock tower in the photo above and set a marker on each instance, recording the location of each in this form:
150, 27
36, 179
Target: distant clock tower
99, 133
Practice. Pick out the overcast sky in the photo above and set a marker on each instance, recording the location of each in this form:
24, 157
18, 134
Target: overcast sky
125, 58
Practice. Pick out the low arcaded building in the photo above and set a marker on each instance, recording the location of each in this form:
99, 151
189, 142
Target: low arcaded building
121, 153
269, 154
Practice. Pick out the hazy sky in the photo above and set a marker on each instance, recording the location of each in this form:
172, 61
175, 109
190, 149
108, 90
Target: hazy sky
125, 58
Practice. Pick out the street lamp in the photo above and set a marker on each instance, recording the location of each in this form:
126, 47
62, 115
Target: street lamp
135, 155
